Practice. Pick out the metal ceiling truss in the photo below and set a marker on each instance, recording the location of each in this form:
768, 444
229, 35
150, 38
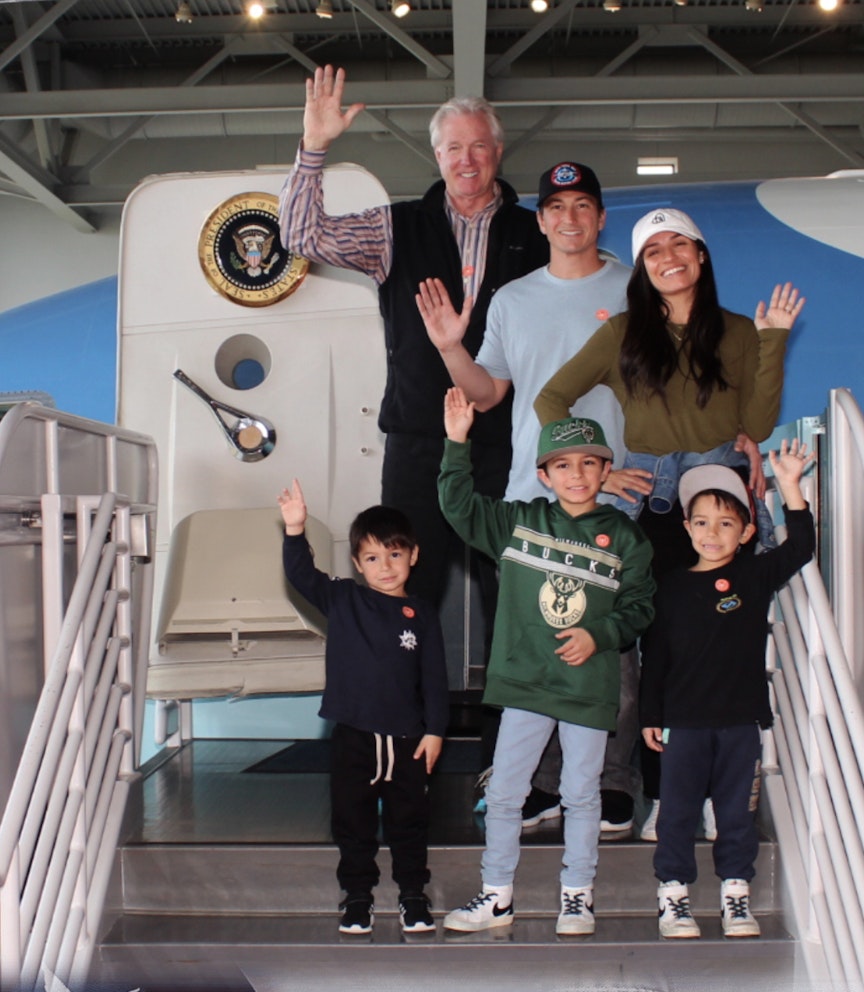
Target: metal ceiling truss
53, 63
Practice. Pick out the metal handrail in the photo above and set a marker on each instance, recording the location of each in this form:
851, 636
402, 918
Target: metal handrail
65, 807
819, 745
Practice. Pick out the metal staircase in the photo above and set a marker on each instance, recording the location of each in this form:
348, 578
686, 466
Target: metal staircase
258, 914
224, 879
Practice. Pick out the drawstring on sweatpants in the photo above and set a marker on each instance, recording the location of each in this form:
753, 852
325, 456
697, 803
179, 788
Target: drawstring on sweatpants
391, 759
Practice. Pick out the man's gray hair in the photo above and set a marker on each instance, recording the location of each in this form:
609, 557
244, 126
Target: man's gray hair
465, 105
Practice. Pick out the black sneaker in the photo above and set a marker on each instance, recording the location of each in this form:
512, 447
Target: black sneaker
540, 806
414, 913
616, 811
357, 914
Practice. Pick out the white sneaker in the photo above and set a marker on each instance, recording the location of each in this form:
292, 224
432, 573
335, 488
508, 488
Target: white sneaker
735, 913
577, 911
493, 907
649, 827
709, 821
675, 917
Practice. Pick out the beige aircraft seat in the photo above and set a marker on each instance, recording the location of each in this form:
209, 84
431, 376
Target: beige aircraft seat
229, 623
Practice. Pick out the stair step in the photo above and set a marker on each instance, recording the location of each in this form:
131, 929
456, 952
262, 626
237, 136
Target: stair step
291, 952
295, 879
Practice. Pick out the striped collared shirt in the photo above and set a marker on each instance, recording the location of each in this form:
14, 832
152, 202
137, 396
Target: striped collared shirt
472, 237
364, 241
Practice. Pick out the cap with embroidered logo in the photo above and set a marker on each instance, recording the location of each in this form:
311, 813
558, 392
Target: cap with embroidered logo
569, 176
664, 219
573, 434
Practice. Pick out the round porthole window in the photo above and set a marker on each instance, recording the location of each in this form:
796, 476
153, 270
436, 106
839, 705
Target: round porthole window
243, 362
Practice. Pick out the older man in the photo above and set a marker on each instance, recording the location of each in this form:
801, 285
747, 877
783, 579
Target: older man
467, 231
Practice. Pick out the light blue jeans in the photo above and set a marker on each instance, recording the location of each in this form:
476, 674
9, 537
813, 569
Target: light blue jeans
522, 737
667, 471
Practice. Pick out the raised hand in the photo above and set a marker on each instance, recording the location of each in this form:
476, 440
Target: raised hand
445, 327
323, 117
783, 308
790, 463
458, 415
293, 507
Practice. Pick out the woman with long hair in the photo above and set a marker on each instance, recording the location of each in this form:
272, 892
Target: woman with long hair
690, 376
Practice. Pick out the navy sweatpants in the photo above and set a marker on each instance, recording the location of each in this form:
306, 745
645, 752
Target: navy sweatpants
721, 763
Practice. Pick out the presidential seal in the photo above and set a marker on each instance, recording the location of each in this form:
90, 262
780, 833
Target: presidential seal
241, 255
562, 600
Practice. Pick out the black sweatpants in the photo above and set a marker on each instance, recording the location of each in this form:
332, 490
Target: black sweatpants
724, 764
358, 779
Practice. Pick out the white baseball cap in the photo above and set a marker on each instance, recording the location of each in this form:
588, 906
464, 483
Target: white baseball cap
663, 219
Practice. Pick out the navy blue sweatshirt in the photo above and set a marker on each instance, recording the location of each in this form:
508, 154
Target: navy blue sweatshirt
384, 660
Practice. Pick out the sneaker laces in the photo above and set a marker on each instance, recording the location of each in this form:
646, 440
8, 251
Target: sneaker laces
738, 907
573, 904
680, 907
479, 900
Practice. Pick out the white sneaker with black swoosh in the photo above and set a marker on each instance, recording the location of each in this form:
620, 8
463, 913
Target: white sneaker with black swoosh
492, 907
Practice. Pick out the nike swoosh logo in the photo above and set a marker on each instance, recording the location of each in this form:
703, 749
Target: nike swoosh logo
499, 911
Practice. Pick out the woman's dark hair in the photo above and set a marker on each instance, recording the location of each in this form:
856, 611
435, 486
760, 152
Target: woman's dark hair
384, 524
649, 356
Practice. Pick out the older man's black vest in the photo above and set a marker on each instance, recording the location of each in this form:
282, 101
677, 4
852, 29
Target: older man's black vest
424, 247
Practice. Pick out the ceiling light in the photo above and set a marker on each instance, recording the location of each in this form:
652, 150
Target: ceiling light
680, 3
324, 9
400, 7
647, 166
829, 5
184, 13
539, 6
755, 5
255, 9
612, 6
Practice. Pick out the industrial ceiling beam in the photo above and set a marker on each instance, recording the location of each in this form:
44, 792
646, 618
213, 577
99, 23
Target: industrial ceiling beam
437, 68
38, 28
428, 94
469, 47
39, 185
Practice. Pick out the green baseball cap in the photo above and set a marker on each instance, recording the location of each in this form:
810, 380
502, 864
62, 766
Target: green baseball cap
573, 434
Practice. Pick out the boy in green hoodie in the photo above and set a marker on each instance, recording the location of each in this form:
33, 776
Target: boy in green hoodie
575, 586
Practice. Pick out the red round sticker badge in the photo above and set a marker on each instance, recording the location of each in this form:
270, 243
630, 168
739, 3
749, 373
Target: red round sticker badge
602, 314
408, 611
602, 540
467, 271
722, 585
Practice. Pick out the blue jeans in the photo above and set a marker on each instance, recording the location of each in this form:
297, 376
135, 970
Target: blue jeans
667, 471
522, 737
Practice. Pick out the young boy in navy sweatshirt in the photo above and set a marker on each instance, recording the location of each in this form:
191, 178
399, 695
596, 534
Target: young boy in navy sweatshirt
386, 691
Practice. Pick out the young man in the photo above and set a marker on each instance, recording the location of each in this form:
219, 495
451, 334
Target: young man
533, 326
704, 693
575, 585
386, 692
